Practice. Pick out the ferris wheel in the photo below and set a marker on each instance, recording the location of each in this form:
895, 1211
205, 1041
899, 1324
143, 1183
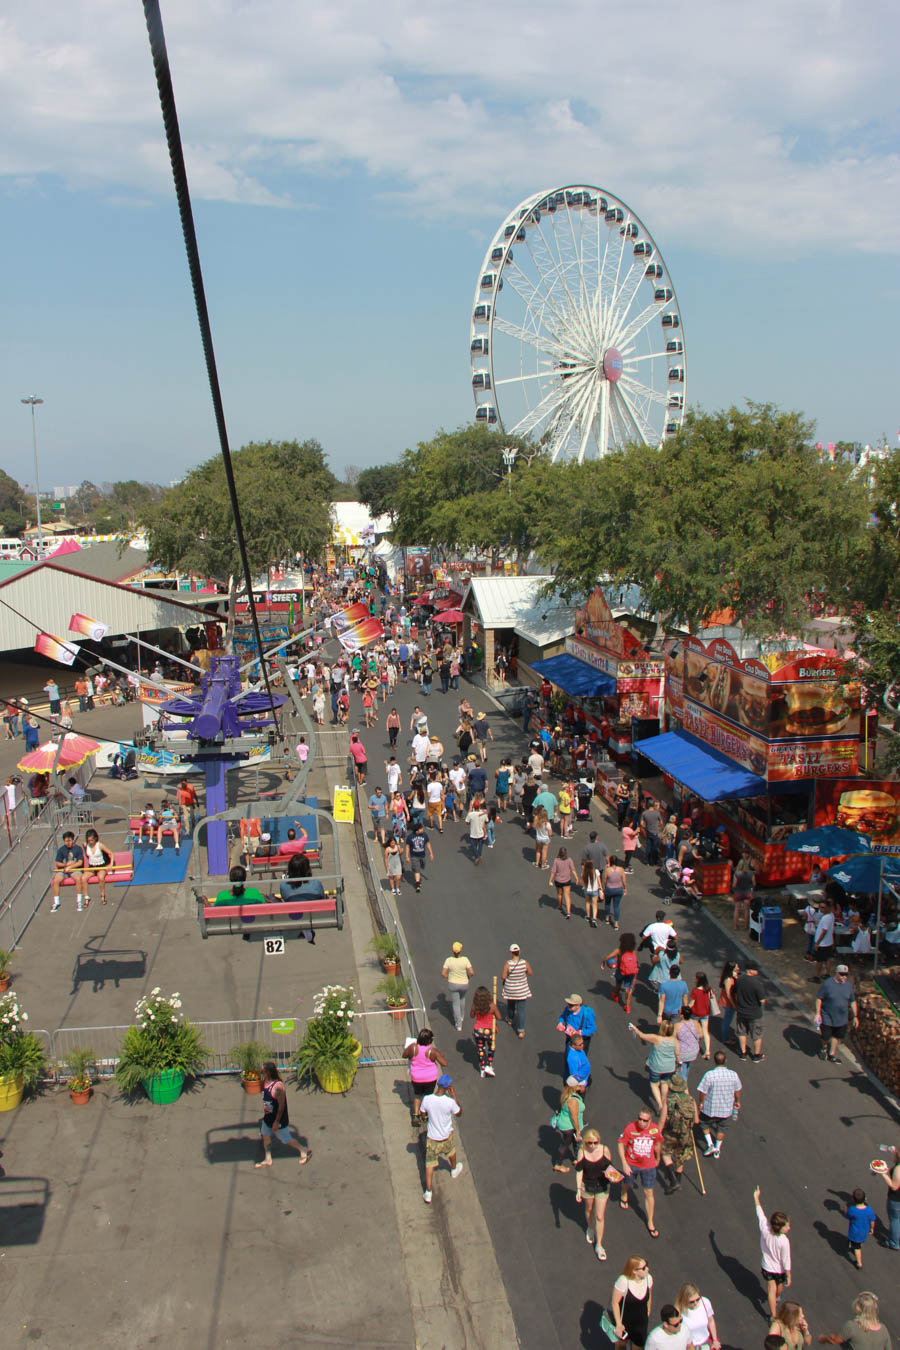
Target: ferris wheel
576, 338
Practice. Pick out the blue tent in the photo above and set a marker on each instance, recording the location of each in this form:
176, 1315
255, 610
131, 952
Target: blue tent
828, 841
575, 677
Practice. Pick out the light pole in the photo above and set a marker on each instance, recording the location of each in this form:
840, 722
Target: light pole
37, 487
509, 459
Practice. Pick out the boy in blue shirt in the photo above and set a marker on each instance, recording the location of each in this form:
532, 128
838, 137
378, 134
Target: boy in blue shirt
860, 1225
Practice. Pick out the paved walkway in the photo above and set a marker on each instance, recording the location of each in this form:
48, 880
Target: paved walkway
806, 1134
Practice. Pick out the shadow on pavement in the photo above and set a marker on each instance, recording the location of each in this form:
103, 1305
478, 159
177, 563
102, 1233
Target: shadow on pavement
23, 1207
745, 1281
802, 1038
99, 968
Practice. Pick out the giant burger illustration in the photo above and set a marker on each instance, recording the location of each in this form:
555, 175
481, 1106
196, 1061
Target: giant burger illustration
812, 708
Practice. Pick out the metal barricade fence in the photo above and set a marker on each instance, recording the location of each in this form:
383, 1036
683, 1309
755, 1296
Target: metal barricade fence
380, 1035
26, 880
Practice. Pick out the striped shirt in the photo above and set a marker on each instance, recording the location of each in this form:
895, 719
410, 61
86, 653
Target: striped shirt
516, 983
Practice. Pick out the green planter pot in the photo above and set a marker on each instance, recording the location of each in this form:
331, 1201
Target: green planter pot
164, 1087
12, 1087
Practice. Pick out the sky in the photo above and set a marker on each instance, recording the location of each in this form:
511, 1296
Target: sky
349, 165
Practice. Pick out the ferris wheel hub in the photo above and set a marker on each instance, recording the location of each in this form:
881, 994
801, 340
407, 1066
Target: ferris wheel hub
612, 364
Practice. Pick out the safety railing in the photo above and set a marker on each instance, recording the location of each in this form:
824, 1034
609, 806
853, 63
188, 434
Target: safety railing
379, 1032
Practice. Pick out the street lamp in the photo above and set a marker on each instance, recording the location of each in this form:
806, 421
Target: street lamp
37, 488
509, 459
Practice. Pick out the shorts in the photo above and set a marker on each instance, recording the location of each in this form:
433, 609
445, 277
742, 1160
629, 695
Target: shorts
853, 1246
748, 1028
660, 1077
439, 1148
824, 953
645, 1175
283, 1132
828, 1032
771, 1275
720, 1123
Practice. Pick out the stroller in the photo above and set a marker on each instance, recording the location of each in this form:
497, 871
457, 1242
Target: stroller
685, 888
584, 793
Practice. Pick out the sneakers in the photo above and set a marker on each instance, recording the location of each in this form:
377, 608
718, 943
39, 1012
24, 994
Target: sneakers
455, 1171
589, 1237
79, 907
159, 848
833, 1059
489, 1070
481, 1072
758, 1059
601, 1253
459, 1026
54, 907
713, 1151
426, 1196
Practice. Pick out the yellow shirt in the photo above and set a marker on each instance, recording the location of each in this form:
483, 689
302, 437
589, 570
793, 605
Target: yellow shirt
457, 968
565, 802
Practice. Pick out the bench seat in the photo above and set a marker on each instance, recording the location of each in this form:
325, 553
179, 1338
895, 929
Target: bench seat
121, 869
280, 916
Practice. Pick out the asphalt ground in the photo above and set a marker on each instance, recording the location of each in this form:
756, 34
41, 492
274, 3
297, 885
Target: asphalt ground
806, 1134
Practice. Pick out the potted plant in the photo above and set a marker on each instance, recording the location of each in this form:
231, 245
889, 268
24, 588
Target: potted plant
249, 1056
23, 1058
81, 1065
396, 994
387, 949
6, 960
328, 1051
161, 1051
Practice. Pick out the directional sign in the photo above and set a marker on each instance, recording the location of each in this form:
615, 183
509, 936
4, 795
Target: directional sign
283, 1027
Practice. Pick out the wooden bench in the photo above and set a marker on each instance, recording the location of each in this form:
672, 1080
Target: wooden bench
280, 916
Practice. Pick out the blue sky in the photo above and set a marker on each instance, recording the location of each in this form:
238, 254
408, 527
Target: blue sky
349, 166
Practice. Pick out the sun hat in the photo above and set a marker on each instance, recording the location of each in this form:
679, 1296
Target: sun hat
481, 716
457, 948
445, 1080
574, 998
677, 1083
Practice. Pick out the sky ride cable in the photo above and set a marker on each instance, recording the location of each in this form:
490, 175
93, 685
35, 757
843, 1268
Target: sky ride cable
182, 192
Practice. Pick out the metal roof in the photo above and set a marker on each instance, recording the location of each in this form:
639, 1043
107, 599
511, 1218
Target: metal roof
104, 562
43, 598
500, 602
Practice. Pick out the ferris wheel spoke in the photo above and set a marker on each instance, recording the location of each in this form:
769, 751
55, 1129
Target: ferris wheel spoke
542, 342
520, 379
532, 294
560, 268
588, 423
633, 416
622, 337
548, 404
629, 290
645, 356
635, 387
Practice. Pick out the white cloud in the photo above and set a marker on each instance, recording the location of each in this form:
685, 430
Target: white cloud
768, 124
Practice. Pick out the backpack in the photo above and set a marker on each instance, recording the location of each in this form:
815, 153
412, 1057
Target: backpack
628, 963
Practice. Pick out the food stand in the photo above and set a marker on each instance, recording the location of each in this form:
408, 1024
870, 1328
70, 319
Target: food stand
752, 736
611, 671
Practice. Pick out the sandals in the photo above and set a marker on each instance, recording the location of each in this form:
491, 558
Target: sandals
623, 1204
654, 1232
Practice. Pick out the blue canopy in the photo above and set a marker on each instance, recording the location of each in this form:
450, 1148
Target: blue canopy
828, 841
575, 677
865, 874
708, 773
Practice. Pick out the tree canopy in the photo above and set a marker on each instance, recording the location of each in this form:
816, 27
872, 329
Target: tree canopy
284, 491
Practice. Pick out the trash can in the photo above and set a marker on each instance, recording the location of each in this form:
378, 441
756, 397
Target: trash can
770, 928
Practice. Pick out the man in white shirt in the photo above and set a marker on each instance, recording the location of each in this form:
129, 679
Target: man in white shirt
823, 942
419, 748
536, 763
659, 931
439, 1108
457, 776
394, 773
671, 1334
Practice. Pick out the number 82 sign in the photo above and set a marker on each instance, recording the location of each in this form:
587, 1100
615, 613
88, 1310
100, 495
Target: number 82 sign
273, 946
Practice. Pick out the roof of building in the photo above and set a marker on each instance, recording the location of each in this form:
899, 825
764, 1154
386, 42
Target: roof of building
44, 596
103, 562
500, 602
548, 621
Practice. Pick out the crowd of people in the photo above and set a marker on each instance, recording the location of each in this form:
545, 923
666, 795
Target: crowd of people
428, 788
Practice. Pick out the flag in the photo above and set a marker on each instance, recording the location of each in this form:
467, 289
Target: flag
343, 619
352, 639
56, 649
89, 628
291, 613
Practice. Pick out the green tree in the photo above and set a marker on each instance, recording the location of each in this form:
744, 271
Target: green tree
284, 491
734, 512
85, 499
12, 498
131, 497
377, 488
450, 467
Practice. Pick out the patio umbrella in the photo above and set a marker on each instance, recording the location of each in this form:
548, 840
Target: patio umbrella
451, 616
828, 841
67, 754
866, 873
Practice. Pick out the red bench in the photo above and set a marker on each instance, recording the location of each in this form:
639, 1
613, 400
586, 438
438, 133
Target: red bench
280, 916
281, 860
121, 869
139, 826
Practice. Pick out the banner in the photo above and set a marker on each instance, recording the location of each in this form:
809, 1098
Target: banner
870, 806
355, 638
342, 805
595, 624
56, 649
89, 628
343, 619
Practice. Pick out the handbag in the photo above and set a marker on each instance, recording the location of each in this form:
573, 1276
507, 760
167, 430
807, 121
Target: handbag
715, 1008
608, 1326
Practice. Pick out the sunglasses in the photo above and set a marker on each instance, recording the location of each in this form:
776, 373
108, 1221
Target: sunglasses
675, 1323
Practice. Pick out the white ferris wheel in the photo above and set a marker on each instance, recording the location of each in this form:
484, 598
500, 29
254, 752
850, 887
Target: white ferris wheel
576, 339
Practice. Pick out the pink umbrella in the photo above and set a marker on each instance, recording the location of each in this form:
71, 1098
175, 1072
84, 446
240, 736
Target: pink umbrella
451, 616
74, 751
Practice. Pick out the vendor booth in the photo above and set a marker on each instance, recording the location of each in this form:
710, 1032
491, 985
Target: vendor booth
752, 737
607, 667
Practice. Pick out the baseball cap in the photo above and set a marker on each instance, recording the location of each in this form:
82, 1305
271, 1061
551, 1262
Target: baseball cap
514, 946
445, 1080
574, 998
572, 1081
842, 970
266, 837
457, 948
